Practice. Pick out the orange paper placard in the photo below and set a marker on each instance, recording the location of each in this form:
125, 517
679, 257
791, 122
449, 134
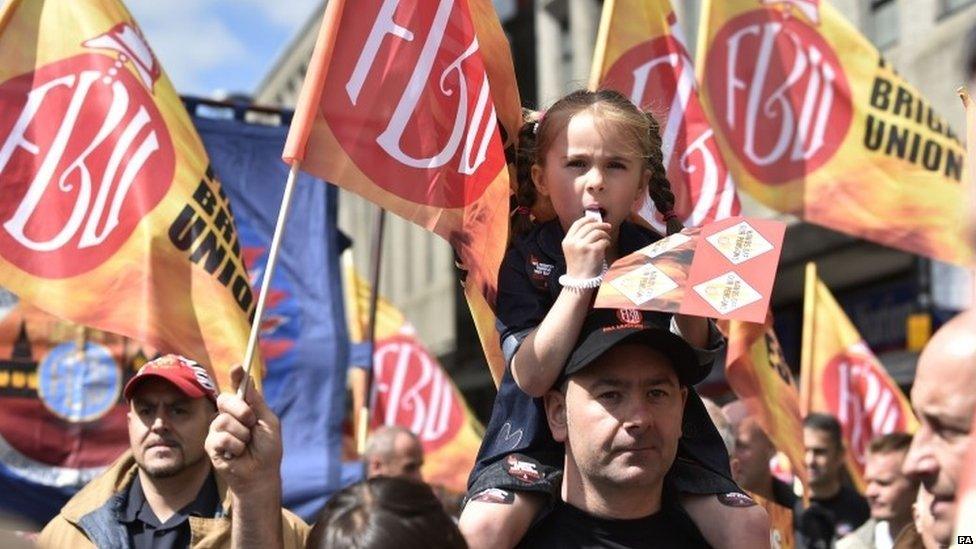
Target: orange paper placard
723, 270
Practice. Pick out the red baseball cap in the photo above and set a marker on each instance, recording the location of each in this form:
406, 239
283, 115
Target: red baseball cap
188, 376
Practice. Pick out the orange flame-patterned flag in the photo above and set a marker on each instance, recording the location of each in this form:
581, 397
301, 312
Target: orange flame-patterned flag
412, 390
780, 523
757, 372
402, 104
812, 121
111, 215
840, 376
641, 52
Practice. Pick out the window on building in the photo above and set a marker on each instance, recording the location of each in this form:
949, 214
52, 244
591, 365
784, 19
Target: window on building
950, 6
884, 23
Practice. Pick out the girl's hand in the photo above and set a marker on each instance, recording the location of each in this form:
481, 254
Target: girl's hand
585, 247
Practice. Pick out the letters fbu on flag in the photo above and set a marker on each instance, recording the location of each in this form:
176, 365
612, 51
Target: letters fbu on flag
812, 121
111, 216
641, 53
412, 390
840, 376
402, 104
757, 372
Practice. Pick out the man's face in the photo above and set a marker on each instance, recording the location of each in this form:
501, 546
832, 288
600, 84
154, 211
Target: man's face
167, 428
824, 458
620, 418
405, 461
944, 398
889, 492
753, 450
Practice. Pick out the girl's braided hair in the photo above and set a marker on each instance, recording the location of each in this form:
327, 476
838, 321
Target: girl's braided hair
540, 130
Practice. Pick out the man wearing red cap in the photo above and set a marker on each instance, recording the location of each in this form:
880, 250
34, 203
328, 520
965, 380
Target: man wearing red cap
163, 492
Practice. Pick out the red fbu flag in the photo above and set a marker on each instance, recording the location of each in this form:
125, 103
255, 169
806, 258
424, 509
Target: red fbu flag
402, 104
641, 53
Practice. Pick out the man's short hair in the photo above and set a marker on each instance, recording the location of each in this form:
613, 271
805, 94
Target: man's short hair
889, 443
383, 441
826, 423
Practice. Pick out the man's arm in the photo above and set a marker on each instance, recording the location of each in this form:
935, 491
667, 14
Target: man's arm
244, 445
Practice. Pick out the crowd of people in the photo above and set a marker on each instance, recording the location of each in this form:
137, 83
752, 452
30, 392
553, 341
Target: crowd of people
597, 436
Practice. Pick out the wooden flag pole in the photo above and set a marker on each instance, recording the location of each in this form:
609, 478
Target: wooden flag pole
806, 354
252, 339
362, 428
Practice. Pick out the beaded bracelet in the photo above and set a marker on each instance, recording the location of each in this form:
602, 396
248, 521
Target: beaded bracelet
579, 284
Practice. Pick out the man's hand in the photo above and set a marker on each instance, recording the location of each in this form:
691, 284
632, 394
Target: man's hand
244, 442
244, 445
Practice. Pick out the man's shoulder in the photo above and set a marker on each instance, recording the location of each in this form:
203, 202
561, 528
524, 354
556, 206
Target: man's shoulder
854, 502
59, 532
783, 494
101, 488
861, 538
294, 529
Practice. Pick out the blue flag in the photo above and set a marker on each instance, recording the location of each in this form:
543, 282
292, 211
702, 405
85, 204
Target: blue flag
304, 340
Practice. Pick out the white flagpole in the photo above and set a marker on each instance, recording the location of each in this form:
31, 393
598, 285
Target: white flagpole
252, 340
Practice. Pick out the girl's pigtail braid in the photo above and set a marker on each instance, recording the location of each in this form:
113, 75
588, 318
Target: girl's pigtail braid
525, 194
658, 187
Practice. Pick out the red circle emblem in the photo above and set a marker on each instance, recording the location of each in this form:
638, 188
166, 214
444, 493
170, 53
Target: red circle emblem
630, 316
658, 76
413, 391
84, 155
867, 404
410, 103
780, 95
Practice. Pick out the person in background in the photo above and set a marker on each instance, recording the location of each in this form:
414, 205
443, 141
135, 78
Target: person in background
752, 456
890, 494
944, 399
163, 491
394, 451
835, 508
724, 428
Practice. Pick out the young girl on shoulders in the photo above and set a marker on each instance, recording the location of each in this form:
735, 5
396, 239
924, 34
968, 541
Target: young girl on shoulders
591, 159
